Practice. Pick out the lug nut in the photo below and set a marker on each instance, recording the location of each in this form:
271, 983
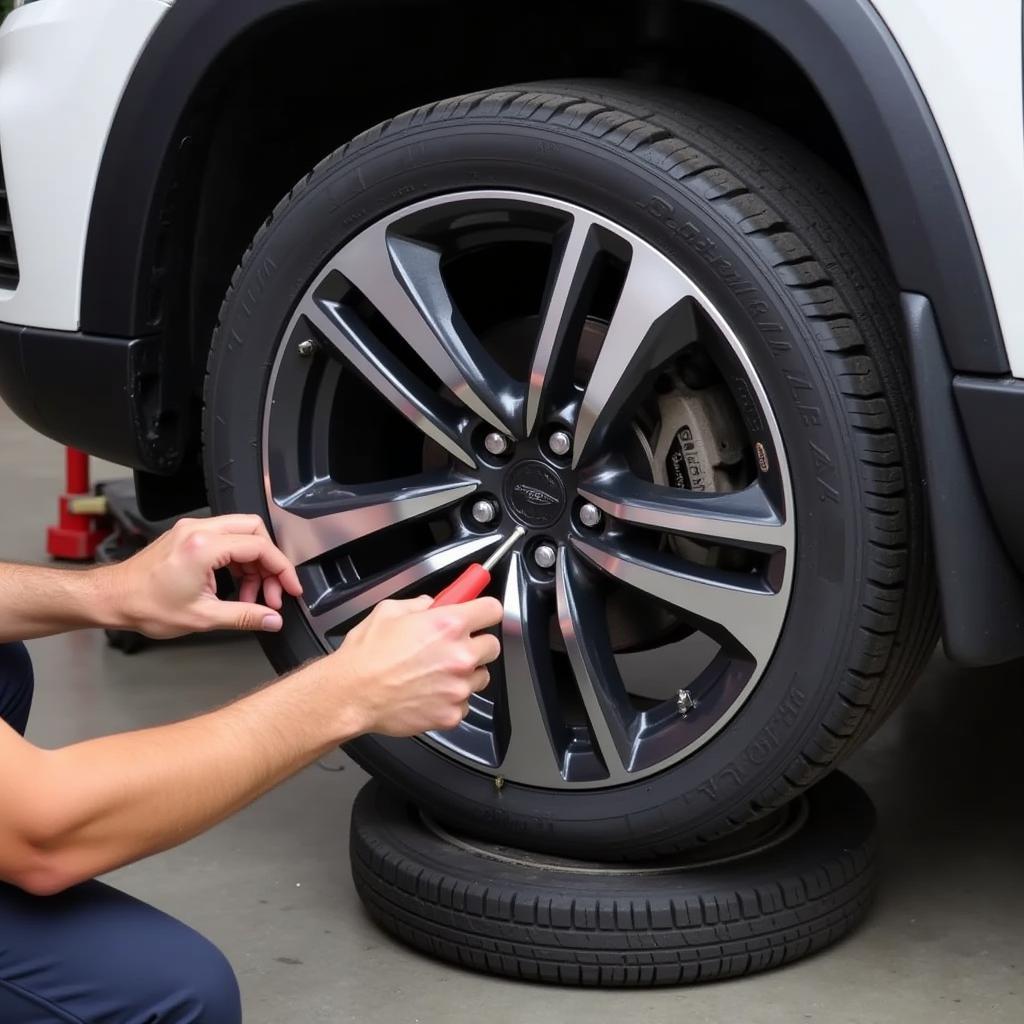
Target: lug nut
545, 555
590, 515
560, 443
496, 443
685, 703
484, 511
307, 348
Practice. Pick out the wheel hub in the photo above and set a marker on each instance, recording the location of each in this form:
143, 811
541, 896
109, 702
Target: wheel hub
534, 494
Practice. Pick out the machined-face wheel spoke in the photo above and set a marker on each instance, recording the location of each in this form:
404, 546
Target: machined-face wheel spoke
743, 518
731, 605
581, 621
402, 279
652, 321
331, 611
354, 342
536, 745
564, 310
325, 515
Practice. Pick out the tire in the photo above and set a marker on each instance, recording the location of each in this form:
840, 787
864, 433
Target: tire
504, 912
784, 254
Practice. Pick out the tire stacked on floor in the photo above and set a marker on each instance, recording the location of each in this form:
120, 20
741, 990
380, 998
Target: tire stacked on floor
766, 896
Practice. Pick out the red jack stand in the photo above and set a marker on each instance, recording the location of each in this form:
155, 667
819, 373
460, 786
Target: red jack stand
77, 534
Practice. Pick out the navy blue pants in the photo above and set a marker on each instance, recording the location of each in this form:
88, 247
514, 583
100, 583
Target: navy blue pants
92, 955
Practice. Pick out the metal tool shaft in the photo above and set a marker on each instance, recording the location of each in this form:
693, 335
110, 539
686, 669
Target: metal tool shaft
504, 548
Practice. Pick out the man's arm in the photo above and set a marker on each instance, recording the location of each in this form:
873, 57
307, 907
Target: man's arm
38, 601
67, 815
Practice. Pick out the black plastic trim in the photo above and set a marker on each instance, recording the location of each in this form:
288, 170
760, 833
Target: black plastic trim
9, 275
97, 393
842, 45
981, 593
992, 410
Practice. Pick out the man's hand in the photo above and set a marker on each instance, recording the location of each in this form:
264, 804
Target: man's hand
409, 668
168, 589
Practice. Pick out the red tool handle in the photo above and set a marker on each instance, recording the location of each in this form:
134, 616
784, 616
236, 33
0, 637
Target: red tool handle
469, 585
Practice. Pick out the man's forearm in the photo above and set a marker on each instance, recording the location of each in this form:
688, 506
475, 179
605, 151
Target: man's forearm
69, 814
110, 801
39, 601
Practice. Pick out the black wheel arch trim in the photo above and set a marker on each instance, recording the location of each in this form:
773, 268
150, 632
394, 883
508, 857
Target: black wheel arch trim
843, 46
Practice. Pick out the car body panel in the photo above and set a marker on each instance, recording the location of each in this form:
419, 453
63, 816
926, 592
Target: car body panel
967, 59
64, 65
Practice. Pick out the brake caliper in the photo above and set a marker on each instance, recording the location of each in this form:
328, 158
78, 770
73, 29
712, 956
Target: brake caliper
697, 444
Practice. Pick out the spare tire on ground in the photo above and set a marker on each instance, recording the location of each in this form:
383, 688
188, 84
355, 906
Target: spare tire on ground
778, 890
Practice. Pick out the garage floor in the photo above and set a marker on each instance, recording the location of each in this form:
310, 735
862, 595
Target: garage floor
944, 944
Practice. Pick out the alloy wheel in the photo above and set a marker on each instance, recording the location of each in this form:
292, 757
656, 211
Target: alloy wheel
485, 360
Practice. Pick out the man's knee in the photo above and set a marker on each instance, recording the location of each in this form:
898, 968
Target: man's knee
209, 989
103, 955
16, 685
189, 980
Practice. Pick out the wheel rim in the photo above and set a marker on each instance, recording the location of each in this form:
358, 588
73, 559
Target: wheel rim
366, 518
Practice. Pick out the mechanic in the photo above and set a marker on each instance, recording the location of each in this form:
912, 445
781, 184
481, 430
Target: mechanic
75, 950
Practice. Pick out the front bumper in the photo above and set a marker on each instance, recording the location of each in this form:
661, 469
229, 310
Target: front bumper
63, 67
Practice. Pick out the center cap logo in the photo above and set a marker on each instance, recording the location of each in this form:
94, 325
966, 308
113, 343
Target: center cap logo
534, 494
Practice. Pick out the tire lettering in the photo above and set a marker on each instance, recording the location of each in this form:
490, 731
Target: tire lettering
825, 471
514, 823
758, 309
764, 744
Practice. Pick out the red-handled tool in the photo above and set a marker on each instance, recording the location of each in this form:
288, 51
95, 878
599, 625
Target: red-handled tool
472, 583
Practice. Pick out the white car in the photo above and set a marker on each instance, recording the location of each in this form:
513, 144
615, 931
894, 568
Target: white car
723, 306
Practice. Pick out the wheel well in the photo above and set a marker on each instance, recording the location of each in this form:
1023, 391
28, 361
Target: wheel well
299, 84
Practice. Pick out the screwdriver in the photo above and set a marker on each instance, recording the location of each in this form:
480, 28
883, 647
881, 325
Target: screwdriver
472, 583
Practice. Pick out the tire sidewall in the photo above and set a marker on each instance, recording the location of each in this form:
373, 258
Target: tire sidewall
357, 187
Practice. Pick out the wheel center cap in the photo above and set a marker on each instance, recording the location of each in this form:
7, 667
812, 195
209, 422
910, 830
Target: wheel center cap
534, 494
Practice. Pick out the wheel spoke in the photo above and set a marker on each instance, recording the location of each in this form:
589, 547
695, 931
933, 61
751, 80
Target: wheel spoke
536, 745
352, 339
742, 518
651, 321
325, 515
564, 310
582, 623
402, 279
726, 605
330, 611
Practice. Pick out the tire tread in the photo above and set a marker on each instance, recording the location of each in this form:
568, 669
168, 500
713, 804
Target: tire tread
434, 901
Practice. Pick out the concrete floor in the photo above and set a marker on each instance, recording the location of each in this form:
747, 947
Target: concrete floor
945, 942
